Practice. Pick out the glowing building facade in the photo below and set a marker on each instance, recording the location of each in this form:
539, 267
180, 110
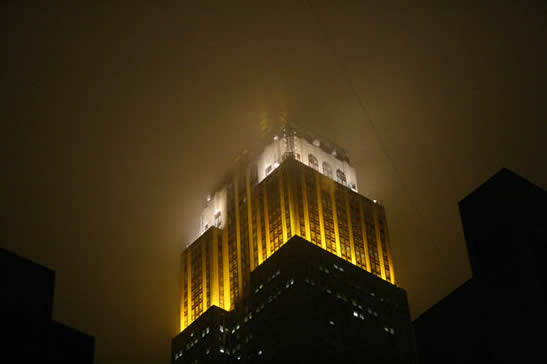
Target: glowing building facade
297, 184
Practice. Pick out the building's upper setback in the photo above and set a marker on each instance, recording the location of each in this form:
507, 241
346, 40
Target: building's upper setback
289, 142
296, 185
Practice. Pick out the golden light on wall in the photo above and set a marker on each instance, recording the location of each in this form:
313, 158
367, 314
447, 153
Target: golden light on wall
292, 200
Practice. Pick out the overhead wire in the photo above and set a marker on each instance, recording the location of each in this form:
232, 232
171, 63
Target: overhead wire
345, 75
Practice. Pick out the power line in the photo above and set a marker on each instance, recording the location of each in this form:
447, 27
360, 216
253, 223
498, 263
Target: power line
366, 116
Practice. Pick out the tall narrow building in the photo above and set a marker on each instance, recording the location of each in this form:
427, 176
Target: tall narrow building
299, 184
292, 264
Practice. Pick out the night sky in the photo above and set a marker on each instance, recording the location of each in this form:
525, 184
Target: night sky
117, 123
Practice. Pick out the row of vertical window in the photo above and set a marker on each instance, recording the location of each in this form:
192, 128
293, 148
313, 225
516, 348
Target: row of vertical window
343, 229
330, 239
313, 209
287, 208
232, 247
197, 283
327, 170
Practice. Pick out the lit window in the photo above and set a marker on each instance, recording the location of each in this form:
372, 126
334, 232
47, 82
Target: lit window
218, 219
355, 314
221, 350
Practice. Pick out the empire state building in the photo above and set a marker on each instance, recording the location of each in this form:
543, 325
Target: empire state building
300, 191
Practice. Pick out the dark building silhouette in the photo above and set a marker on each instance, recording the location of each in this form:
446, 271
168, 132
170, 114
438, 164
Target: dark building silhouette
305, 305
26, 306
205, 340
499, 314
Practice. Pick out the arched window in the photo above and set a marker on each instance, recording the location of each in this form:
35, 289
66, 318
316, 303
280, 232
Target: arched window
313, 162
340, 177
218, 219
327, 170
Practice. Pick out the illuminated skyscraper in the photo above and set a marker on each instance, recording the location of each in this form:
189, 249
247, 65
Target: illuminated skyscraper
297, 184
292, 265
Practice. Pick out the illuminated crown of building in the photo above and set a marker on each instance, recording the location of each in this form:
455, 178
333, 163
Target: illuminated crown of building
289, 142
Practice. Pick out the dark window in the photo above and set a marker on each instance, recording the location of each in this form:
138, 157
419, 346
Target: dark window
313, 162
340, 177
327, 170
